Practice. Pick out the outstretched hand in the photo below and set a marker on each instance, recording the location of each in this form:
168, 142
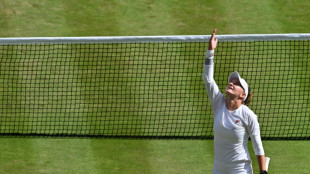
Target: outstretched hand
213, 41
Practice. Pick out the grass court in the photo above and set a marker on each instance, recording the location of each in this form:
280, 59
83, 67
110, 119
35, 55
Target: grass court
144, 17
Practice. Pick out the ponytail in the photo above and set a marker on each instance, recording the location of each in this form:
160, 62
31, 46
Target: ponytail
249, 98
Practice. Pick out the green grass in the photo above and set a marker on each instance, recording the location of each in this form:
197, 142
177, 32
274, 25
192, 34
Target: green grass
143, 17
62, 155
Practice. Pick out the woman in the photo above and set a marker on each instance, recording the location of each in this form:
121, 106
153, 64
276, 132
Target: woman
233, 123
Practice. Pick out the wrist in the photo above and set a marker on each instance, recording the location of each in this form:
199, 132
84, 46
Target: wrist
210, 54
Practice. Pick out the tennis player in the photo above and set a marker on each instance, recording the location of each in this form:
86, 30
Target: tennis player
233, 123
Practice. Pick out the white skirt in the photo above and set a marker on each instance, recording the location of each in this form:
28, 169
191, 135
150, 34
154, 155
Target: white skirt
239, 167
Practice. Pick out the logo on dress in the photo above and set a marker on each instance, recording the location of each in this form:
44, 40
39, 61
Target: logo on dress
237, 121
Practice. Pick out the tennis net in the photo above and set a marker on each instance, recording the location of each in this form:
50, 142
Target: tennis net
148, 87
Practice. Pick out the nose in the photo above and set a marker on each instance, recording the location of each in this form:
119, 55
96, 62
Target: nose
230, 85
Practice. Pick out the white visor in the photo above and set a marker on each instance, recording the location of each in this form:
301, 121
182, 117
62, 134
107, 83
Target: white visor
235, 75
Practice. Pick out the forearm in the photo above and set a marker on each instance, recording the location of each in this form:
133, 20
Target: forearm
208, 66
261, 162
259, 152
209, 57
210, 85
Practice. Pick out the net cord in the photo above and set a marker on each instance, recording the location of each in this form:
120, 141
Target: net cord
142, 39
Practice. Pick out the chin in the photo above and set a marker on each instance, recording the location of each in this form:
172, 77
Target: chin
228, 91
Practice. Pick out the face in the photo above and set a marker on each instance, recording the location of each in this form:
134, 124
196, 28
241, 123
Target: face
234, 89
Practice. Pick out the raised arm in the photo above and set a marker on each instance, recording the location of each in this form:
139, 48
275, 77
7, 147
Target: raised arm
208, 66
208, 72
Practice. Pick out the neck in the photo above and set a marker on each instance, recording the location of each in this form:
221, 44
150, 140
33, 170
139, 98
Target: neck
233, 104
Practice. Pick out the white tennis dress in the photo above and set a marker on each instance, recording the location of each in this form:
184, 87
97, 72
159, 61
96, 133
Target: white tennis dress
232, 129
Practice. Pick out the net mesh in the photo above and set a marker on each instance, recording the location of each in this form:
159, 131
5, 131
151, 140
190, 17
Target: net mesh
148, 89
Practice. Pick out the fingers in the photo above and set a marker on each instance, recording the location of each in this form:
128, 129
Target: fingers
213, 41
213, 34
216, 39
